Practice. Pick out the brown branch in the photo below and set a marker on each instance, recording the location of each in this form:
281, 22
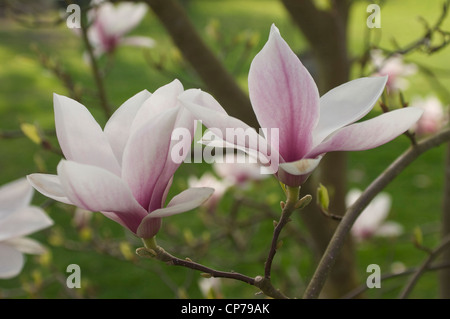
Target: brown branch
152, 250
328, 259
95, 69
432, 255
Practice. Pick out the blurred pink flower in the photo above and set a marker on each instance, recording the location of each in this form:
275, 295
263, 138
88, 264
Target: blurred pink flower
124, 171
209, 180
18, 219
433, 118
110, 23
394, 68
238, 169
286, 100
371, 222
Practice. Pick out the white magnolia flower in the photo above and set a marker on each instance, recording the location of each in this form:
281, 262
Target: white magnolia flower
371, 222
18, 219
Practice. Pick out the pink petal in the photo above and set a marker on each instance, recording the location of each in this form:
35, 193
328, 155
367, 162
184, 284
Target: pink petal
118, 127
49, 186
14, 195
284, 96
346, 104
80, 137
97, 189
371, 133
183, 202
146, 154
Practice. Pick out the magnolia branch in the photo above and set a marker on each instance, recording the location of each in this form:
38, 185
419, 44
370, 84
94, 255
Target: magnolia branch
425, 265
152, 250
95, 70
326, 263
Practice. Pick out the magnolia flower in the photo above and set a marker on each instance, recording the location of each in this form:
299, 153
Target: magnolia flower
371, 222
286, 101
239, 169
394, 68
124, 171
18, 219
433, 118
110, 23
209, 180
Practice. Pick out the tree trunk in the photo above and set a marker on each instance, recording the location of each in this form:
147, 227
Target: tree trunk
326, 32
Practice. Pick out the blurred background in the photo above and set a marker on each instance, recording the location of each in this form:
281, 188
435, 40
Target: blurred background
40, 56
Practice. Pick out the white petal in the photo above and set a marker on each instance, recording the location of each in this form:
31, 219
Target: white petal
50, 186
138, 41
369, 134
14, 195
11, 261
118, 127
26, 245
346, 104
80, 137
301, 167
24, 222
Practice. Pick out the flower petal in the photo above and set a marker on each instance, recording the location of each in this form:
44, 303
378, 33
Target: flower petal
346, 104
301, 167
14, 195
24, 222
50, 186
162, 99
121, 18
138, 41
183, 202
118, 127
80, 137
97, 189
284, 96
371, 133
12, 261
26, 245
146, 154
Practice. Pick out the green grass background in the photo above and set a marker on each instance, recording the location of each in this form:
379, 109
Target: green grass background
26, 89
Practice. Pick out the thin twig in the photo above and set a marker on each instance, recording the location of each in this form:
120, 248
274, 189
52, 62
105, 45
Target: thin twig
363, 288
95, 70
432, 255
329, 257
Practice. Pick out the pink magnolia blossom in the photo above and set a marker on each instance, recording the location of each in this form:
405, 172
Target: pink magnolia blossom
394, 68
285, 97
124, 171
110, 24
371, 222
18, 219
433, 118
